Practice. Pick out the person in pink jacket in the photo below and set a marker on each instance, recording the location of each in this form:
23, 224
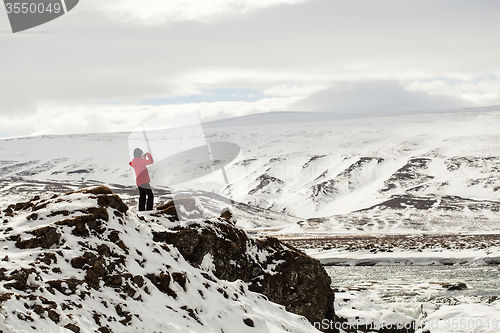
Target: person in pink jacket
139, 163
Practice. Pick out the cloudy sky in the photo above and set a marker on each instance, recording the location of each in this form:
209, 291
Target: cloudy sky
110, 65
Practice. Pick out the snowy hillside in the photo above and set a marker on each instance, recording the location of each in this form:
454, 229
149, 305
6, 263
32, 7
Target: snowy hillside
84, 262
381, 173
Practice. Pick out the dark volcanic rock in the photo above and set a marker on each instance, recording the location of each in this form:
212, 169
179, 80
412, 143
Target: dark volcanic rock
162, 282
226, 215
82, 225
435, 202
188, 203
45, 237
265, 180
98, 190
282, 273
113, 201
179, 209
454, 286
411, 174
19, 279
72, 327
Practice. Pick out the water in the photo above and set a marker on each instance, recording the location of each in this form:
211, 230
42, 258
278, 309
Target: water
418, 283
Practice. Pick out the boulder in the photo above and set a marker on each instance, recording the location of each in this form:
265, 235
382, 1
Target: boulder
282, 273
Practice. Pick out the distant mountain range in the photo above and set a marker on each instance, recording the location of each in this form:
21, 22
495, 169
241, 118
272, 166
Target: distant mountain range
424, 171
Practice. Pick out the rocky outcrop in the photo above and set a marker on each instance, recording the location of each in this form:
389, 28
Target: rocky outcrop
267, 184
83, 263
411, 174
282, 273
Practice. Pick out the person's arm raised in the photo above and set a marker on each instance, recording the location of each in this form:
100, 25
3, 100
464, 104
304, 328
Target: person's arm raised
149, 158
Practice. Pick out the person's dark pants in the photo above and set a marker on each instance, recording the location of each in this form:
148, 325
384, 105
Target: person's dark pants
145, 190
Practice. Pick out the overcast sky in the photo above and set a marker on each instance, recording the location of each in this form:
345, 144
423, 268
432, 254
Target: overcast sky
110, 65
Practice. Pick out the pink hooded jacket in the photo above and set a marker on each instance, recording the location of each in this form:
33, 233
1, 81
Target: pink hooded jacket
141, 171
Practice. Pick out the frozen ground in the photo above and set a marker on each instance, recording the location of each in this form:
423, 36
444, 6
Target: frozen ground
430, 282
420, 297
414, 249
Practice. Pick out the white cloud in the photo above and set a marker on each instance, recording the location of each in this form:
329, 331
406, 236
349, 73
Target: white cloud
70, 119
153, 12
376, 96
302, 89
478, 91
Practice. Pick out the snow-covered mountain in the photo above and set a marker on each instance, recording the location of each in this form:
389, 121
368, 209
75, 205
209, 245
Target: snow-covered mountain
429, 171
